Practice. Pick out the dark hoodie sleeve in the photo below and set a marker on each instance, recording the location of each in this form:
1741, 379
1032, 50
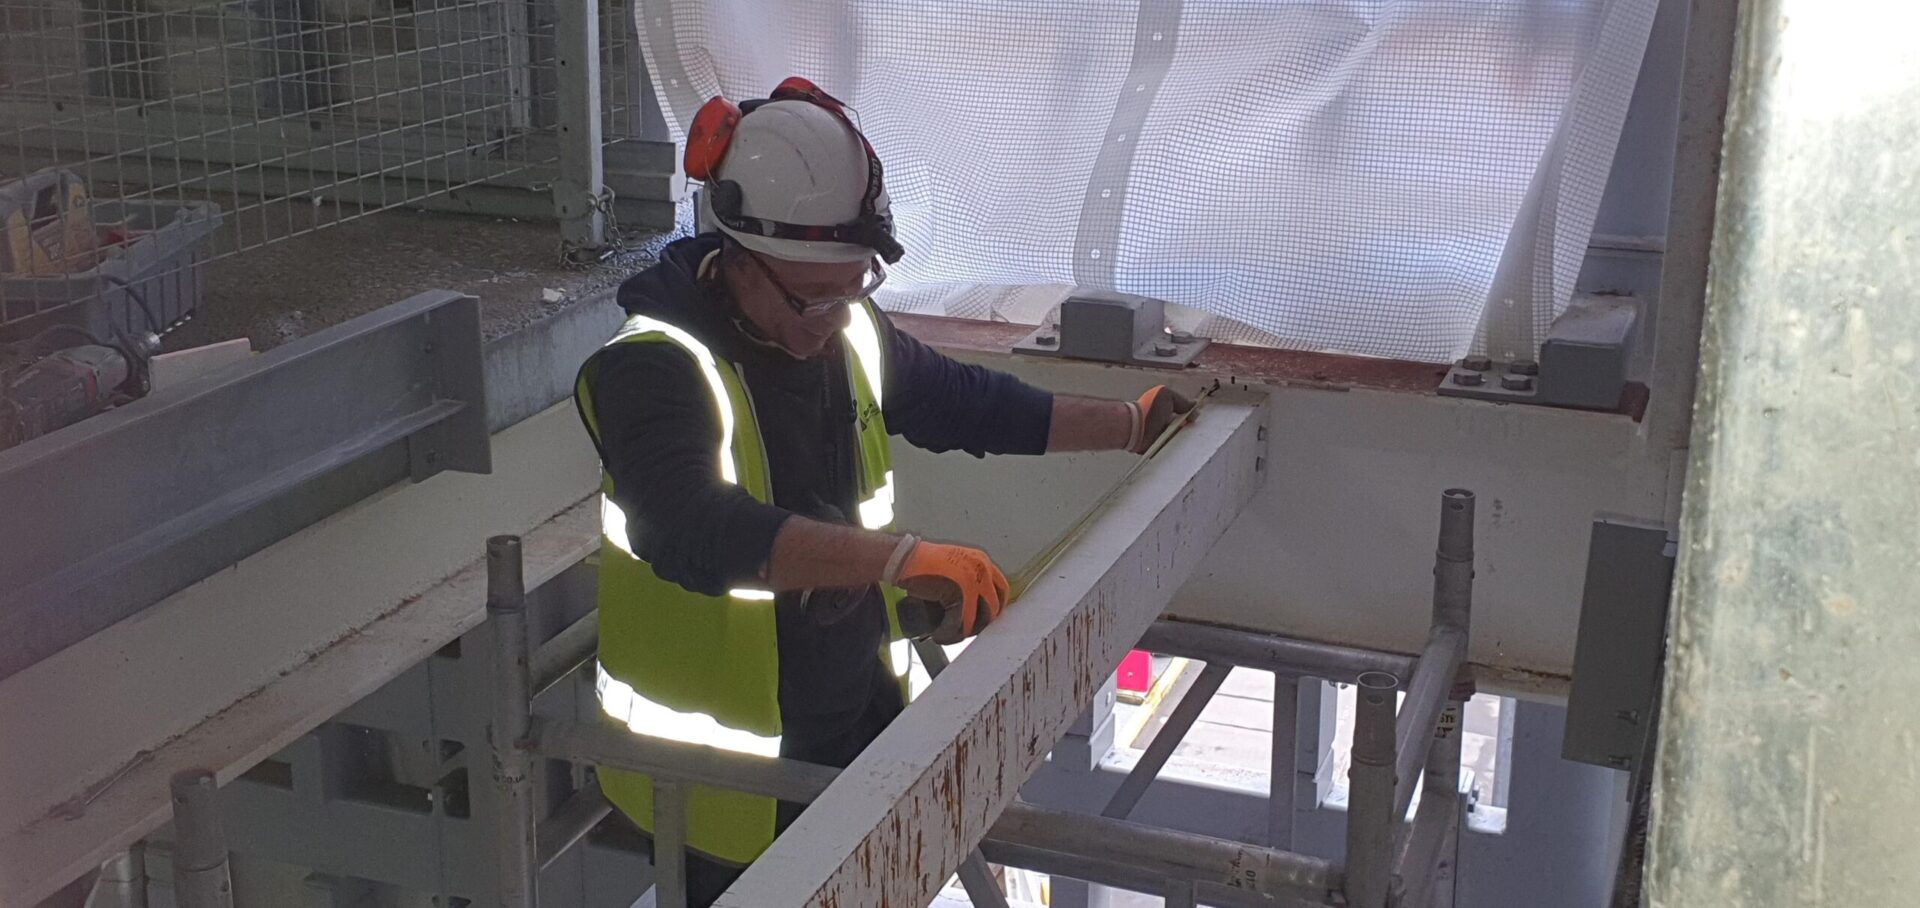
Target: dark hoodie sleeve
941, 404
660, 438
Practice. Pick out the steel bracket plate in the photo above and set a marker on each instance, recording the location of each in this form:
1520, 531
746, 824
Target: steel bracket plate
1620, 645
1110, 327
112, 514
1582, 364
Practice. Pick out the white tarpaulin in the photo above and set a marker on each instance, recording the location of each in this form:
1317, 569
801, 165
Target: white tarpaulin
1355, 176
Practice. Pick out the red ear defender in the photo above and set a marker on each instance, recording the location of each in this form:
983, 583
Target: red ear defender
711, 133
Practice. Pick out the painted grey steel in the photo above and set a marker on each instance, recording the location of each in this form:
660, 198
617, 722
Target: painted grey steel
110, 515
579, 196
565, 652
1370, 785
1621, 641
1090, 738
570, 822
517, 868
669, 843
1180, 895
200, 875
1162, 853
1446, 652
1427, 693
1705, 74
1423, 856
977, 878
1269, 652
1166, 739
1111, 327
1582, 364
1283, 763
1787, 760
123, 880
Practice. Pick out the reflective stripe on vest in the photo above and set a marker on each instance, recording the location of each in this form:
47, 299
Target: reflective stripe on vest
613, 526
645, 717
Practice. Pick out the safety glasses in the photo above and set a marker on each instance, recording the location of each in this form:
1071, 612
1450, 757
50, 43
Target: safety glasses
808, 308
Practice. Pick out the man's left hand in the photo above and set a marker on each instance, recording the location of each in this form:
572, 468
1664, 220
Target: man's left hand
1158, 409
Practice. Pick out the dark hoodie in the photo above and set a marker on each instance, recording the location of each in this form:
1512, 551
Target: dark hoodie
659, 434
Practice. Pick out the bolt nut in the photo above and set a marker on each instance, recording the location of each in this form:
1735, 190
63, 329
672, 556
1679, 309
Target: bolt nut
1468, 379
1477, 363
1183, 337
1165, 350
1516, 382
1047, 340
1523, 367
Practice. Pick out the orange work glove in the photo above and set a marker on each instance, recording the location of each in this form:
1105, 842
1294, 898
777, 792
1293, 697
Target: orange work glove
963, 581
1154, 412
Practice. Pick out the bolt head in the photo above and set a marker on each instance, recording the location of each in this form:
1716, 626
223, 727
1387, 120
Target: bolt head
1523, 367
1516, 382
1468, 379
1165, 350
1182, 337
1477, 363
1047, 340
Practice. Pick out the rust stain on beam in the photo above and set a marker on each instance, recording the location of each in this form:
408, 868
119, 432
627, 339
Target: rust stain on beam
898, 822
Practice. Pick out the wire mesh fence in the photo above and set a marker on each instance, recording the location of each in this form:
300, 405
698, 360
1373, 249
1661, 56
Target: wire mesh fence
254, 121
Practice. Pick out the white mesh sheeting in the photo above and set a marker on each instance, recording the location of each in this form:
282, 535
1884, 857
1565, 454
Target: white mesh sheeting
1333, 175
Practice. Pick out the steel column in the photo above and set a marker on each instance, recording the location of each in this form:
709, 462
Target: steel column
200, 875
1446, 648
123, 880
1157, 753
1283, 764
669, 843
1370, 785
579, 196
514, 832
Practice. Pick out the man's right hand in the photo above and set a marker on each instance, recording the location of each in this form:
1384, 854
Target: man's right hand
964, 581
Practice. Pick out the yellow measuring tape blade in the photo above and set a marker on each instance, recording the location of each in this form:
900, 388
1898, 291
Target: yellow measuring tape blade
1030, 572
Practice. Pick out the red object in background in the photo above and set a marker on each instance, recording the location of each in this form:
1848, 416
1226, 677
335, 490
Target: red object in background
1136, 671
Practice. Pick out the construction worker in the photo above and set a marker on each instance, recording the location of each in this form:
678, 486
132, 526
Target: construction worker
750, 563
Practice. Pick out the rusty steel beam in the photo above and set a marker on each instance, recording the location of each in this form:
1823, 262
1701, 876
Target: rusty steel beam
897, 823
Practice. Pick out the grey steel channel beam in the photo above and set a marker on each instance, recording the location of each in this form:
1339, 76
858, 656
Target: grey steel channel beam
110, 515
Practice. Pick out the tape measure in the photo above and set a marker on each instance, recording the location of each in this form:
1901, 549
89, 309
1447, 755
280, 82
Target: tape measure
919, 617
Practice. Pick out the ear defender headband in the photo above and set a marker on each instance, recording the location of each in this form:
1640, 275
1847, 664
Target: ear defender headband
711, 134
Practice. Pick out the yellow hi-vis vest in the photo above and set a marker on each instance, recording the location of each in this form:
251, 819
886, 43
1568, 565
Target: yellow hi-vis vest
706, 669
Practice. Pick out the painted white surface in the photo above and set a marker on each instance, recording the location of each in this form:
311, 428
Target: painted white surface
1338, 544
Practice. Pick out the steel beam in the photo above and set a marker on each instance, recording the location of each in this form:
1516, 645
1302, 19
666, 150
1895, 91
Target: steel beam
899, 821
1269, 652
517, 865
110, 515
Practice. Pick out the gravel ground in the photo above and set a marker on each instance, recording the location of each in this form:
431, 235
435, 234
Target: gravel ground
294, 287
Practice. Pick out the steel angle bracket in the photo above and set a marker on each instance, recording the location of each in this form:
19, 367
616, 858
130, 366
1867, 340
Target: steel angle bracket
112, 514
1110, 327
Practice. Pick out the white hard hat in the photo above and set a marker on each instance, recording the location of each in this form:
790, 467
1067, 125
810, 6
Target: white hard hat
797, 163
